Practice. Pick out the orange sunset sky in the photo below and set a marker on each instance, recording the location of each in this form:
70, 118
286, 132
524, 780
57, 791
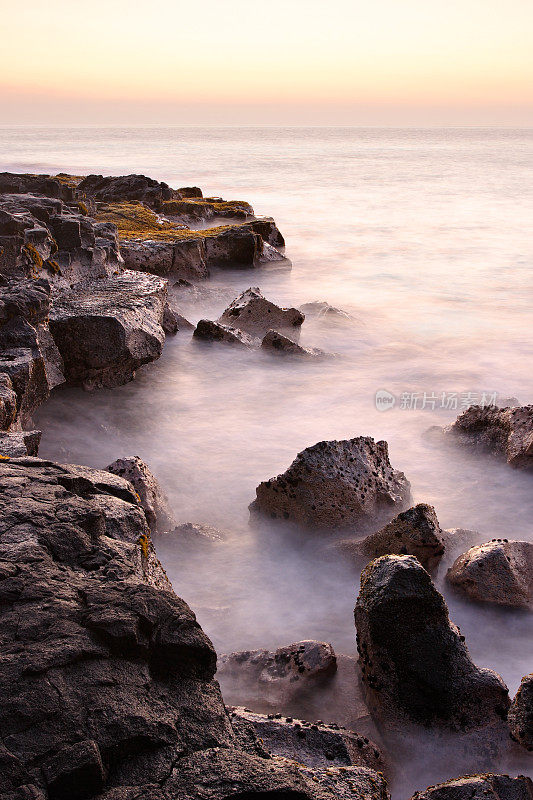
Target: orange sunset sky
390, 62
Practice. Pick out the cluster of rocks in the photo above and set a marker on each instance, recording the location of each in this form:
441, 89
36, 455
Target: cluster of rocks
252, 321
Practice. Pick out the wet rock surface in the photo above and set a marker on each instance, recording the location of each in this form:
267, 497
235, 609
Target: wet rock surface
414, 532
252, 313
480, 787
313, 744
107, 329
210, 331
275, 342
501, 432
499, 571
414, 662
152, 498
334, 485
520, 715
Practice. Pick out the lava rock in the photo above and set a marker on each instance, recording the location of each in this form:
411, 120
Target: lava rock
300, 661
334, 485
415, 664
153, 500
268, 230
324, 311
126, 187
194, 535
183, 258
414, 532
480, 787
520, 717
210, 331
500, 571
14, 444
502, 432
254, 314
106, 329
276, 342
315, 745
234, 247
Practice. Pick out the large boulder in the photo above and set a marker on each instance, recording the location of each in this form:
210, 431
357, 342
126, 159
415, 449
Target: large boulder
335, 485
480, 787
50, 185
268, 230
153, 500
126, 187
14, 444
106, 329
499, 571
413, 532
254, 314
520, 717
414, 662
236, 246
503, 432
313, 744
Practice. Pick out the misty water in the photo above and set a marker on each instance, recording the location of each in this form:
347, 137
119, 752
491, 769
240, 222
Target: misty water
424, 238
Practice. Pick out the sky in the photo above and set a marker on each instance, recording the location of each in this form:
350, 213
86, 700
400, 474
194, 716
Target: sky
278, 62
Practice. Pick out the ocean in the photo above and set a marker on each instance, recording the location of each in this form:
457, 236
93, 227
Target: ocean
424, 238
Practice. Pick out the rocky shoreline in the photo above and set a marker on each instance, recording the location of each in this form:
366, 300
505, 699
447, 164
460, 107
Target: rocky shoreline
109, 685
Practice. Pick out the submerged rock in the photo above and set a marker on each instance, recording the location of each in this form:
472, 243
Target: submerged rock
500, 571
312, 744
502, 432
300, 661
480, 787
152, 498
324, 311
414, 532
520, 717
254, 314
106, 329
276, 342
415, 664
335, 484
194, 535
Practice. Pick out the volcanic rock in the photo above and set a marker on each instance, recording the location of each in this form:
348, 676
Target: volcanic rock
152, 498
520, 717
502, 432
254, 314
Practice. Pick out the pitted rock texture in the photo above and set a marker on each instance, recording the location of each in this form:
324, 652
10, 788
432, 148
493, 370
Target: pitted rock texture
414, 532
194, 535
520, 717
500, 571
254, 314
153, 500
415, 664
268, 230
334, 485
236, 247
106, 329
502, 432
126, 187
275, 342
312, 744
49, 185
480, 787
300, 661
210, 331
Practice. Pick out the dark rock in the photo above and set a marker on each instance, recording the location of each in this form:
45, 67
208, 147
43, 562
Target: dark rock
106, 329
194, 535
318, 745
190, 191
480, 787
18, 183
8, 402
300, 661
254, 314
210, 331
276, 342
75, 772
152, 498
500, 571
126, 187
335, 484
268, 230
236, 247
520, 715
502, 432
14, 444
415, 665
414, 532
